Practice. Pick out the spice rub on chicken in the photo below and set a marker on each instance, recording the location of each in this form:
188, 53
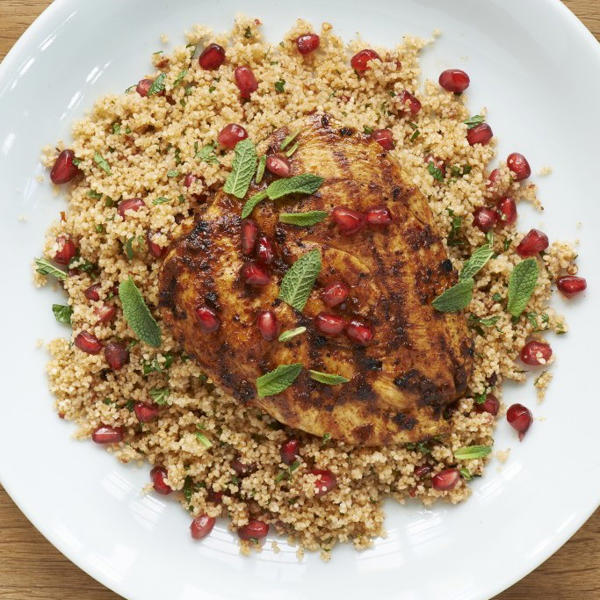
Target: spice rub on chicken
368, 316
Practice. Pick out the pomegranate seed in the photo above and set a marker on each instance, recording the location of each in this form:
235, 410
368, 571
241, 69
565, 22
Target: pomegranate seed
445, 480
117, 356
214, 497
230, 135
414, 105
87, 342
267, 325
493, 178
289, 451
158, 476
133, 205
335, 293
534, 242
360, 61
91, 293
420, 472
519, 166
145, 413
329, 324
454, 80
507, 209
326, 481
107, 435
491, 405
241, 469
212, 57
254, 530
189, 179
105, 313
520, 418
249, 235
201, 526
480, 134
536, 353
264, 250
254, 273
144, 86
66, 250
359, 332
64, 169
379, 215
245, 80
485, 219
279, 165
207, 319
156, 250
570, 284
348, 221
307, 43
384, 138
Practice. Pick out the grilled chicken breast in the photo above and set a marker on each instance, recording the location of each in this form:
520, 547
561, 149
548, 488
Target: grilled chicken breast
418, 360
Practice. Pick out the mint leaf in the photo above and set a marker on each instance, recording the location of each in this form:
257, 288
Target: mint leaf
204, 440
477, 261
305, 219
252, 202
158, 85
274, 382
62, 313
160, 395
101, 162
327, 378
289, 139
137, 314
45, 267
260, 171
243, 168
471, 452
299, 184
521, 285
474, 121
455, 298
291, 333
465, 474
298, 282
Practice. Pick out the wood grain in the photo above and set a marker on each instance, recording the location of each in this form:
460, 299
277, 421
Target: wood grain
32, 568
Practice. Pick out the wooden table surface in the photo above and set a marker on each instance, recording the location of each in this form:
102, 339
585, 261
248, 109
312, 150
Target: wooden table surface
31, 568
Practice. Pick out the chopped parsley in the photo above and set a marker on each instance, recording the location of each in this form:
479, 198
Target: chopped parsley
280, 86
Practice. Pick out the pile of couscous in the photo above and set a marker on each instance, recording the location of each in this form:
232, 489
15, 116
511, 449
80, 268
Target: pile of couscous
156, 147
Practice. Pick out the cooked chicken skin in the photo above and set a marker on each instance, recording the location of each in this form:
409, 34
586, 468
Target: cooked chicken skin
419, 359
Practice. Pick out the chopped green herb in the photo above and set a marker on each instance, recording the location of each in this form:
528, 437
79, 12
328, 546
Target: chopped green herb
129, 405
155, 366
44, 267
454, 237
292, 150
93, 194
435, 172
289, 139
128, 130
326, 437
474, 121
211, 89
327, 378
507, 242
248, 33
101, 162
207, 153
180, 78
280, 86
459, 171
189, 89
116, 128
305, 219
480, 398
465, 474
158, 85
173, 173
497, 297
415, 135
62, 313
472, 452
100, 228
137, 314
291, 333
108, 202
532, 318
298, 281
204, 440
178, 160
161, 200
260, 170
107, 401
276, 381
368, 130
160, 395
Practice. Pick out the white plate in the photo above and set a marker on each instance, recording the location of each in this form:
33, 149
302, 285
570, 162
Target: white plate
537, 70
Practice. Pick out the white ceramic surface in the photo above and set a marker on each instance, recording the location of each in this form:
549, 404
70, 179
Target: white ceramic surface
537, 70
